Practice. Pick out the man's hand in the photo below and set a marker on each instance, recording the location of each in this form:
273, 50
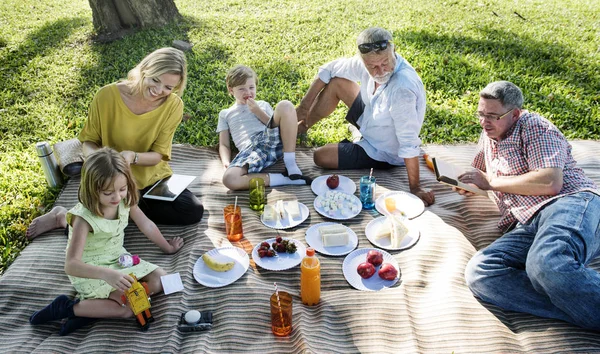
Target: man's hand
302, 115
426, 196
477, 178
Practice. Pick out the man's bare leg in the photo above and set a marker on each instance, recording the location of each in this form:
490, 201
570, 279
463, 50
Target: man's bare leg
55, 219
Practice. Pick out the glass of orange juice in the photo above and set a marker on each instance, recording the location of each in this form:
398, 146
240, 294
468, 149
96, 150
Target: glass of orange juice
390, 204
281, 314
233, 222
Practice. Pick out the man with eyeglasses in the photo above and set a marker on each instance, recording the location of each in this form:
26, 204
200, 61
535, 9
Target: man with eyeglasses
388, 108
550, 210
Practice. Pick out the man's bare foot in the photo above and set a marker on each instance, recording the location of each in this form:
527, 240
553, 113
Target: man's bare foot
55, 219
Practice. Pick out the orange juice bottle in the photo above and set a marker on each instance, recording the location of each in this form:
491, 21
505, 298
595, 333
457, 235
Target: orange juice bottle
310, 278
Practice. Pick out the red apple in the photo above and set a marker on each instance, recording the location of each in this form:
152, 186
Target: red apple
388, 272
333, 181
365, 270
375, 258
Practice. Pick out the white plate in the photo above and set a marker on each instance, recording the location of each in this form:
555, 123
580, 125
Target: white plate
319, 185
411, 205
287, 222
410, 239
314, 240
214, 279
281, 261
338, 214
374, 283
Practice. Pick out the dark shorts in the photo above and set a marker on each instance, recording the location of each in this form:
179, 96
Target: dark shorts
351, 155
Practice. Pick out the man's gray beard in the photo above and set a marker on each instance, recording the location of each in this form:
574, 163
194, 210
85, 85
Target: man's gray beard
383, 79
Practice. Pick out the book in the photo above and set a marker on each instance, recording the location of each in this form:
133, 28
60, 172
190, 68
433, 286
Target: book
169, 188
448, 173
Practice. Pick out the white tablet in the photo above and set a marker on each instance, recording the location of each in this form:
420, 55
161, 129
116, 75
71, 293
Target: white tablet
169, 188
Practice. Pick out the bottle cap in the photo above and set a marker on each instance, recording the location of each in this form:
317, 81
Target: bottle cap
136, 259
43, 148
310, 251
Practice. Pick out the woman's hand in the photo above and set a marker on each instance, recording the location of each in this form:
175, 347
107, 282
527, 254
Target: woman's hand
118, 280
128, 155
175, 245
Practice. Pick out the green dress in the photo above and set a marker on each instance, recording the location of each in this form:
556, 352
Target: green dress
103, 247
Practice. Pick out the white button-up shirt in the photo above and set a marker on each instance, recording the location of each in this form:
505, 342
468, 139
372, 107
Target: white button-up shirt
394, 113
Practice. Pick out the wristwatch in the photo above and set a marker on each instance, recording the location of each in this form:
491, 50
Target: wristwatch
135, 159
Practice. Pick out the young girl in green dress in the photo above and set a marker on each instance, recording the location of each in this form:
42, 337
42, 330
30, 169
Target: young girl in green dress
107, 199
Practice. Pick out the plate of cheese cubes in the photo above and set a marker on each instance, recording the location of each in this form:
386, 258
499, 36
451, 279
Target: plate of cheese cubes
337, 205
392, 232
284, 214
331, 238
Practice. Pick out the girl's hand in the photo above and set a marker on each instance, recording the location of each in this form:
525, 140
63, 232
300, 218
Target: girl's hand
175, 245
118, 280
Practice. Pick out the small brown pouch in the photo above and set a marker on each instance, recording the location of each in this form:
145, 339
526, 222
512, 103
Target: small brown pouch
69, 155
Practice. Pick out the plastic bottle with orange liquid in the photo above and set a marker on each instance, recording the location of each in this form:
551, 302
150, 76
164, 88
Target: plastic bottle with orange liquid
310, 278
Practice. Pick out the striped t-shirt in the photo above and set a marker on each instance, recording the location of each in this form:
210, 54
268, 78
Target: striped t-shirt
241, 123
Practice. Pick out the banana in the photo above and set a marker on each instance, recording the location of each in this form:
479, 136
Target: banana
217, 266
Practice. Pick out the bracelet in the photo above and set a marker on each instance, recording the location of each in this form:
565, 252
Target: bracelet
135, 159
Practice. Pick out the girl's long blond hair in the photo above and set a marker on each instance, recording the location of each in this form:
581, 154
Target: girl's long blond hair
161, 61
97, 174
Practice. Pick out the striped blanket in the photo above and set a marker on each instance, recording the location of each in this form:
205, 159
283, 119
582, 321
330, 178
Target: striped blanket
430, 310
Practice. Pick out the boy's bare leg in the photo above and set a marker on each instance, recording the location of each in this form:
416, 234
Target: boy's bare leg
238, 178
285, 118
55, 219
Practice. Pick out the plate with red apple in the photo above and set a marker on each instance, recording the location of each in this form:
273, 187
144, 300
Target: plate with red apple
333, 182
371, 269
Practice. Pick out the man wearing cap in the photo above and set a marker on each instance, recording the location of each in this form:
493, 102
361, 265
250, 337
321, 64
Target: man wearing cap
388, 108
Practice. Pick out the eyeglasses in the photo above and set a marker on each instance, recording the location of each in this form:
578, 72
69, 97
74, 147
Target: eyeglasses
377, 46
492, 117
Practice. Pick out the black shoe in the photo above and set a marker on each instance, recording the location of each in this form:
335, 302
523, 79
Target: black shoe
61, 307
295, 177
74, 323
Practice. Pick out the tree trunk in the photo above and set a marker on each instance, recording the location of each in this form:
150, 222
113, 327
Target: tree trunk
113, 18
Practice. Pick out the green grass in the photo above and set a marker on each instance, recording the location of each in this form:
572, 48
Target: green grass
50, 69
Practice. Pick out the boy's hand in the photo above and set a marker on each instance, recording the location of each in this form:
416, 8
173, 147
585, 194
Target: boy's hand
118, 280
175, 245
254, 108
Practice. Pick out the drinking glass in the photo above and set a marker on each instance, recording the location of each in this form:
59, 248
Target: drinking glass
257, 194
233, 222
281, 317
367, 192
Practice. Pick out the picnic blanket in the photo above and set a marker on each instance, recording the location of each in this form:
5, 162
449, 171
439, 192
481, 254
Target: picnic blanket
430, 310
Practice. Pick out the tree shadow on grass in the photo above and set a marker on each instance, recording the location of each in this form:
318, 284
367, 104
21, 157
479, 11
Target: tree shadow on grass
554, 79
17, 63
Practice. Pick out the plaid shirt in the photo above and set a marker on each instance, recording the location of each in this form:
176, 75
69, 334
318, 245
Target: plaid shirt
531, 143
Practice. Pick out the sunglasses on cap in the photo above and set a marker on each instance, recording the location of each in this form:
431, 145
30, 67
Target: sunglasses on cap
377, 46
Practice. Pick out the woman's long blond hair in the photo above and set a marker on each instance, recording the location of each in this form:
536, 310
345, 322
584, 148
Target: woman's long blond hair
161, 61
97, 174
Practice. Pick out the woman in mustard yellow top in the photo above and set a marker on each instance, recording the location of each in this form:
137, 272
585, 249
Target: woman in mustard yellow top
138, 117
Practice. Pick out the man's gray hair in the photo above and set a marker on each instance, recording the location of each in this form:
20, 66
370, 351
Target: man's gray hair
372, 35
506, 92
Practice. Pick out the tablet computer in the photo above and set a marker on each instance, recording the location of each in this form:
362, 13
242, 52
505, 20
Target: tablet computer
169, 188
